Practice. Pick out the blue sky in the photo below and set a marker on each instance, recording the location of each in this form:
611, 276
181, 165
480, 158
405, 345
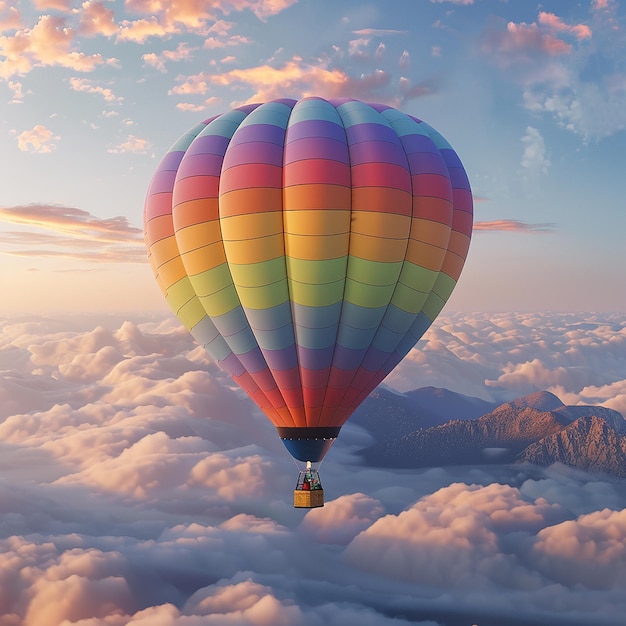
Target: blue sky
532, 97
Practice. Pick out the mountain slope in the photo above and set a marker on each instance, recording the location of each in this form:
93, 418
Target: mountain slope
537, 428
588, 443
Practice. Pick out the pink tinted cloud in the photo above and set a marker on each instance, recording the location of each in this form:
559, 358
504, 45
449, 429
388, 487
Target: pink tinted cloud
295, 76
342, 519
50, 42
521, 43
87, 86
70, 233
563, 550
528, 37
450, 538
194, 14
39, 139
139, 31
57, 5
10, 17
580, 31
97, 19
515, 226
71, 221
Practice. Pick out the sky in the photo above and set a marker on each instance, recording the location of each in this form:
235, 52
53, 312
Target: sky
532, 96
138, 487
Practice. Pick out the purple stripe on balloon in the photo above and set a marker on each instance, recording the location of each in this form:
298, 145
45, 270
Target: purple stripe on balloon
281, 360
247, 108
451, 157
379, 107
254, 152
233, 365
371, 132
418, 143
209, 144
200, 165
290, 102
427, 163
347, 358
162, 181
315, 359
374, 359
376, 152
253, 361
316, 148
171, 160
458, 178
258, 132
315, 128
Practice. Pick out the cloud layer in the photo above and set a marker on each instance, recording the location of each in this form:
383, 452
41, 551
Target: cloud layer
138, 487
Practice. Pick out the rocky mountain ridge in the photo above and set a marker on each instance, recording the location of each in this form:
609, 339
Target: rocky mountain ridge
537, 429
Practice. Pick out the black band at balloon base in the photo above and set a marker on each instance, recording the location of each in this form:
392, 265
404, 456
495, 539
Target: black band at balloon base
308, 444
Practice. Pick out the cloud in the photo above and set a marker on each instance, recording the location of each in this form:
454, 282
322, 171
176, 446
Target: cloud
195, 16
49, 43
453, 1
552, 21
71, 221
40, 139
297, 76
182, 53
97, 19
140, 487
88, 86
67, 232
132, 144
534, 157
560, 72
342, 519
138, 31
16, 88
10, 18
378, 32
562, 550
515, 226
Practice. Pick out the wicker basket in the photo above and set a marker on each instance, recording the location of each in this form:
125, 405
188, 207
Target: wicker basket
308, 499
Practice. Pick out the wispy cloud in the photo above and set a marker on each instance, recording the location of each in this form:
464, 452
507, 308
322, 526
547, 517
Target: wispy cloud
88, 86
132, 144
378, 32
65, 232
515, 226
534, 158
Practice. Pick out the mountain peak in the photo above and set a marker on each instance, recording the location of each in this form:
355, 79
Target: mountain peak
540, 400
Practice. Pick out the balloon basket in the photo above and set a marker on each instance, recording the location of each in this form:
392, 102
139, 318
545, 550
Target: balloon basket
308, 493
308, 499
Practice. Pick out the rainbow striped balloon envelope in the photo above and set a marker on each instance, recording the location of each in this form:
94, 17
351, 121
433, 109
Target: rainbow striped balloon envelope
308, 245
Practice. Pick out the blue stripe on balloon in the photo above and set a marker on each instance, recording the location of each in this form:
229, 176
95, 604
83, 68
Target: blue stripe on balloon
355, 338
316, 337
316, 316
267, 319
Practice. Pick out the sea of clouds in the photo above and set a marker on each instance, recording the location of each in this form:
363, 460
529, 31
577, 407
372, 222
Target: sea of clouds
139, 487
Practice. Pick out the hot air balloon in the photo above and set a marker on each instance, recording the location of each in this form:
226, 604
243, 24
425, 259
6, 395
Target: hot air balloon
308, 245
